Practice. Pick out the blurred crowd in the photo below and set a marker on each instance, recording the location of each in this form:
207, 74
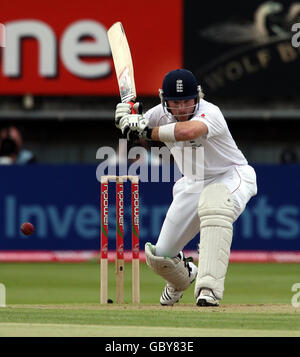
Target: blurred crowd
11, 147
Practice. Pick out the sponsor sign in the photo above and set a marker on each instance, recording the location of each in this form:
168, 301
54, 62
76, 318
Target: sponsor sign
58, 49
63, 202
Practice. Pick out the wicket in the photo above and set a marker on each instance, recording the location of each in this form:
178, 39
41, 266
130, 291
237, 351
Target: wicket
120, 238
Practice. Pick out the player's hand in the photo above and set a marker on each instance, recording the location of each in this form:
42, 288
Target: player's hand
139, 125
124, 125
124, 109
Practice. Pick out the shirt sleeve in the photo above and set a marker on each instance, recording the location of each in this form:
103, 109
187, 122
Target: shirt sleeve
214, 121
153, 116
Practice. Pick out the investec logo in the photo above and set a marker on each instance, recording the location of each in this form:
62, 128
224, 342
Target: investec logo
72, 49
135, 205
120, 199
105, 204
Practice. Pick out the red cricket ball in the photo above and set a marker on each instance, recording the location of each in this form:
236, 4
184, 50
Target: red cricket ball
27, 228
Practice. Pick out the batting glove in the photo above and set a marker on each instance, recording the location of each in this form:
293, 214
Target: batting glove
140, 125
124, 125
124, 109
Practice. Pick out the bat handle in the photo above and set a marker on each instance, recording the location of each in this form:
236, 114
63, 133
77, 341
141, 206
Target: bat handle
133, 111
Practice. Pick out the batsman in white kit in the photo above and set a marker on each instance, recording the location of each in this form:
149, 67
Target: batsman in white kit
209, 204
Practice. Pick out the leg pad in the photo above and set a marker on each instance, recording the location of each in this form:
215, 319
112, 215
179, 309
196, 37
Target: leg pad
216, 213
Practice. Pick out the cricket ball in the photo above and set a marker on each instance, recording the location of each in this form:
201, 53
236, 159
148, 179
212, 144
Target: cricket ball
27, 228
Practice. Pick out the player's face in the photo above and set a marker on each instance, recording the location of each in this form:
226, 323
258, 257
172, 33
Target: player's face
182, 109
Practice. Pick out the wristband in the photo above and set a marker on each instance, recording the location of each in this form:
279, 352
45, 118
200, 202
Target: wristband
166, 133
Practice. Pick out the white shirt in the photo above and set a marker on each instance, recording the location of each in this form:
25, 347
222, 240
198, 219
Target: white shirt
217, 152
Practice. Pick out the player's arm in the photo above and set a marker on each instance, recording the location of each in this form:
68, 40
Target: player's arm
135, 123
182, 131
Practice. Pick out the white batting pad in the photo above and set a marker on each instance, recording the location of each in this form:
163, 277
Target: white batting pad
173, 270
216, 213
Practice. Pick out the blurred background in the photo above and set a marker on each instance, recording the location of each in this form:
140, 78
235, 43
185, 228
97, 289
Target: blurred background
58, 93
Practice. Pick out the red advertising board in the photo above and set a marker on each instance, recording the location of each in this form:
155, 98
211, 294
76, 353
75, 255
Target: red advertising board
59, 48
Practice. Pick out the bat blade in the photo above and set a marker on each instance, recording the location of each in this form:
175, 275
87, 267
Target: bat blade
122, 62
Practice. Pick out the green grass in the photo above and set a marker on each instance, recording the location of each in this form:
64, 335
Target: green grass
60, 283
61, 299
182, 319
260, 283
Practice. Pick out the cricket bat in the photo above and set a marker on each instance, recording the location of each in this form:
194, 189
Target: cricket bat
122, 62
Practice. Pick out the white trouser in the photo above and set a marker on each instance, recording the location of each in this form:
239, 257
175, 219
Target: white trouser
182, 223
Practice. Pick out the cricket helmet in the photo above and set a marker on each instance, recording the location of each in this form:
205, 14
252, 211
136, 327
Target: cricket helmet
180, 84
